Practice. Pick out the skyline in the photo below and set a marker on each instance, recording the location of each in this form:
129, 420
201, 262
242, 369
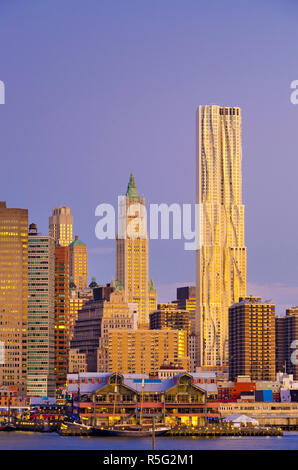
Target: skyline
75, 106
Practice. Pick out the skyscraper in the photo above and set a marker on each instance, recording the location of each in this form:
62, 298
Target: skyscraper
13, 296
252, 339
221, 257
132, 253
62, 318
41, 314
60, 225
78, 263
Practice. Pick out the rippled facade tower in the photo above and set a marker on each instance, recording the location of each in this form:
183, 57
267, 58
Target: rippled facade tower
221, 257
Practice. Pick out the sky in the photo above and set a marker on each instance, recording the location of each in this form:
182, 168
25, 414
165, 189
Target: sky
97, 89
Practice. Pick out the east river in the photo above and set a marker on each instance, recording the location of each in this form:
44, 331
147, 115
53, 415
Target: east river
53, 441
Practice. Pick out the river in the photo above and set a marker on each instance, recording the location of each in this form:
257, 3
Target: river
53, 441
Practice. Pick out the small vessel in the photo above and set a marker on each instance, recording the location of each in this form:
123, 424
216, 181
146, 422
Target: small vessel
73, 428
7, 427
127, 430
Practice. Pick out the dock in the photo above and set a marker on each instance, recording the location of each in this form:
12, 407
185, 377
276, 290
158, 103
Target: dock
220, 431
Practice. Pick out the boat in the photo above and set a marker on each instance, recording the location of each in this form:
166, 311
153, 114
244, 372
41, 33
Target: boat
7, 427
73, 428
132, 431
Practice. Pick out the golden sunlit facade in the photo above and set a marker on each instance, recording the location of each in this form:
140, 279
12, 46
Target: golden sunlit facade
60, 225
132, 253
252, 339
77, 361
117, 313
78, 263
61, 315
75, 304
144, 351
41, 314
221, 257
13, 296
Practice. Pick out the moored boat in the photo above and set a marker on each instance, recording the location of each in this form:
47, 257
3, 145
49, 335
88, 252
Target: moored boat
7, 427
131, 431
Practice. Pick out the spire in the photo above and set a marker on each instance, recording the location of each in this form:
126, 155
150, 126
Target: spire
132, 191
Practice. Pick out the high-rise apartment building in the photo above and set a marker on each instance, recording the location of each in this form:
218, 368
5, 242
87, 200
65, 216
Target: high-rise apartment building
13, 296
78, 263
221, 254
252, 339
144, 351
41, 314
60, 225
62, 320
132, 253
286, 329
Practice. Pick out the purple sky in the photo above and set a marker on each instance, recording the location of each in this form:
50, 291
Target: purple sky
96, 89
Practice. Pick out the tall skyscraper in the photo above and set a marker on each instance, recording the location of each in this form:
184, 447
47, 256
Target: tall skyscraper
78, 263
221, 257
132, 253
60, 225
13, 296
41, 314
62, 317
252, 339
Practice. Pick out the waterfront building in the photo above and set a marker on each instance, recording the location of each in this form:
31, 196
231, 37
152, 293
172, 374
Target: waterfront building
267, 413
62, 323
287, 342
221, 253
252, 339
169, 316
144, 351
9, 397
132, 262
108, 398
78, 263
41, 314
13, 296
60, 225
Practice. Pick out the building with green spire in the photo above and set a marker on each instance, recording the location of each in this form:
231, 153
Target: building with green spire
132, 254
132, 192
